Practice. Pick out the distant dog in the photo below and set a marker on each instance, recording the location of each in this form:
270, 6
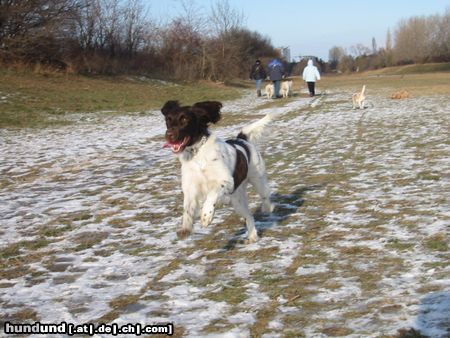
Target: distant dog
213, 170
402, 94
358, 99
270, 90
286, 88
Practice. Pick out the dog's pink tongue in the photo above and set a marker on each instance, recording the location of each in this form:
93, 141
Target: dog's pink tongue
175, 146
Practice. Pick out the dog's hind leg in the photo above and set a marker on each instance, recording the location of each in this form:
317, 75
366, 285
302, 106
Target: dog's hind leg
262, 188
240, 205
258, 179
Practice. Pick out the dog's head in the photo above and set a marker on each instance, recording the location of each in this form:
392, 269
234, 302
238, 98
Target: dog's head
188, 124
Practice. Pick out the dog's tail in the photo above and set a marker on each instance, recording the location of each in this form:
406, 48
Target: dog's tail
255, 131
363, 89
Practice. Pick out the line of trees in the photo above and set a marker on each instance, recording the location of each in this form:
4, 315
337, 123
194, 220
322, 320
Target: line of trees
119, 36
419, 39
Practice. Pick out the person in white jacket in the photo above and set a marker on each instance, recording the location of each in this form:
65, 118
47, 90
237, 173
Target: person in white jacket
311, 75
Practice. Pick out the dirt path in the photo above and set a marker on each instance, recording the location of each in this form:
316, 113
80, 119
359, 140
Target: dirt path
357, 245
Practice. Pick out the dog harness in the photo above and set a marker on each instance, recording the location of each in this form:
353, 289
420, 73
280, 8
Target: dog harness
242, 161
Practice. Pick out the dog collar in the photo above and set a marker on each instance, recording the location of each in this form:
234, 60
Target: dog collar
193, 150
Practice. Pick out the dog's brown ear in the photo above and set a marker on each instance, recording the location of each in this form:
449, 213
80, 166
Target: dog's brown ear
169, 106
207, 111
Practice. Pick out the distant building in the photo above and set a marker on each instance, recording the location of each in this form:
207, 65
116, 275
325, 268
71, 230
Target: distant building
285, 53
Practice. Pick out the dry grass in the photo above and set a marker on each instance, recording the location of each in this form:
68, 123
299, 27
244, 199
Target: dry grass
416, 85
41, 99
36, 99
413, 69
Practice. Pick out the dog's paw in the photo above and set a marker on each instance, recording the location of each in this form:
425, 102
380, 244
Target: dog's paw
267, 207
252, 238
207, 215
183, 233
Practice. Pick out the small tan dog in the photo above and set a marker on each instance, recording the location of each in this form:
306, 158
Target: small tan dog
270, 90
358, 99
286, 88
402, 94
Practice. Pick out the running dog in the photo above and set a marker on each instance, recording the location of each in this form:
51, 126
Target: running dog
214, 170
358, 99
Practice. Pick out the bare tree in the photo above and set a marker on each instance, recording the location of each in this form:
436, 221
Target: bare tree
347, 64
359, 49
135, 20
224, 18
411, 40
335, 56
440, 26
30, 30
111, 24
388, 40
111, 36
87, 28
386, 55
182, 48
445, 34
193, 15
222, 51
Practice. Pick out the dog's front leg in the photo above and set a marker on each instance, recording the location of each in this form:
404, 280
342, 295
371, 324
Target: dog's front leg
189, 210
225, 188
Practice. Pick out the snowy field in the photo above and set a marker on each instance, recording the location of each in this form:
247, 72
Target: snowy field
357, 246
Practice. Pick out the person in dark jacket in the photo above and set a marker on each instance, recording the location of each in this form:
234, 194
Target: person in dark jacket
258, 74
276, 72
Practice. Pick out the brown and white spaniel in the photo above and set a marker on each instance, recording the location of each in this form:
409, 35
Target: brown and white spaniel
213, 170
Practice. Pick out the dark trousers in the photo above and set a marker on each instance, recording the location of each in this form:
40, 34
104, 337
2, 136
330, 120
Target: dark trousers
277, 85
311, 86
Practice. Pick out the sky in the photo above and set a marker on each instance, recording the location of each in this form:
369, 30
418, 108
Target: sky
314, 27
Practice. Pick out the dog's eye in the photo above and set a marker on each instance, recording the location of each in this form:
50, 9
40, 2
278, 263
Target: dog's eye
183, 120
